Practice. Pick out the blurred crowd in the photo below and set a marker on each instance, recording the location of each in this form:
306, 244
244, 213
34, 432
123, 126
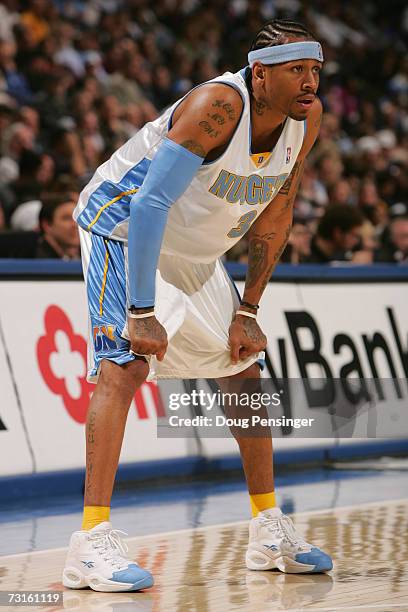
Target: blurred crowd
77, 79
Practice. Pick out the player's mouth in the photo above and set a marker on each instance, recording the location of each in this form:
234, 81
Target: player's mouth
305, 102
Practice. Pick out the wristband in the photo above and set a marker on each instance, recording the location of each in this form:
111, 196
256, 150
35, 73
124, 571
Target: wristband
244, 313
143, 315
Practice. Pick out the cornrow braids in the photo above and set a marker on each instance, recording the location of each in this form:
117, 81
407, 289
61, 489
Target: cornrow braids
273, 33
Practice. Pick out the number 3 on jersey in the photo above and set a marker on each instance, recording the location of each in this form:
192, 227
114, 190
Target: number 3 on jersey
243, 226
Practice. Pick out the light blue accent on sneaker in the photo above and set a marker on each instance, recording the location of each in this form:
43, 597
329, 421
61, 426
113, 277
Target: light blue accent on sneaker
321, 561
137, 577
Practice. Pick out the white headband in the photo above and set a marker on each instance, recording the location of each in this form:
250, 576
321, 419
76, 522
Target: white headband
287, 53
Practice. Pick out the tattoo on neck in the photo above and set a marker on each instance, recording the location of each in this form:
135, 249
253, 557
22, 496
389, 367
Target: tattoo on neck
259, 107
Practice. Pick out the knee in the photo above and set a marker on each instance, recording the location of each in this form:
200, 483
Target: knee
123, 379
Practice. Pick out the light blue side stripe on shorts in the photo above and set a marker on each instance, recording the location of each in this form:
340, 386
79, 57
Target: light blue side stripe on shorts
109, 204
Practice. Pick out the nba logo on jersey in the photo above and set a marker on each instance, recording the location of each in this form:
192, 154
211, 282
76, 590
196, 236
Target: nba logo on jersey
288, 154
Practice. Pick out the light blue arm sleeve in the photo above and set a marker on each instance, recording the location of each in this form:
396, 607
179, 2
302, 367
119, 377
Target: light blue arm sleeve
170, 173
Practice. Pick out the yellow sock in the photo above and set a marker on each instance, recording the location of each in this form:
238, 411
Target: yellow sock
262, 501
93, 515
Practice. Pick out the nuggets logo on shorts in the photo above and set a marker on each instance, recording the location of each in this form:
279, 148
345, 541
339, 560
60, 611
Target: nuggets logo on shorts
104, 337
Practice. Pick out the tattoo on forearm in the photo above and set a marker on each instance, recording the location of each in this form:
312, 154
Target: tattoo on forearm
296, 174
276, 258
194, 147
206, 127
257, 260
267, 236
258, 255
283, 244
288, 203
267, 276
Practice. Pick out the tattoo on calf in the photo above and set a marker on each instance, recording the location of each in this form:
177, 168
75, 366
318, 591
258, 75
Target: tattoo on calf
91, 428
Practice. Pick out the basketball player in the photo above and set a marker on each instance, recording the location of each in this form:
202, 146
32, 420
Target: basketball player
154, 220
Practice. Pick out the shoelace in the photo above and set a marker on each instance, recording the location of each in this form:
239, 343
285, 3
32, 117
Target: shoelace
286, 529
111, 545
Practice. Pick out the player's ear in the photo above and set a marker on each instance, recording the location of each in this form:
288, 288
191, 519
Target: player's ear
258, 71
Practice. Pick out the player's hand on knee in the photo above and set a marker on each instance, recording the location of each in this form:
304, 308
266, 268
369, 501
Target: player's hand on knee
245, 338
148, 337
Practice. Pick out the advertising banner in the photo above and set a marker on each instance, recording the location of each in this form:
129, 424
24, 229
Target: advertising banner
351, 339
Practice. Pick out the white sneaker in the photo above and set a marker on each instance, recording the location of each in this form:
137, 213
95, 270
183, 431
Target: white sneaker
97, 559
274, 543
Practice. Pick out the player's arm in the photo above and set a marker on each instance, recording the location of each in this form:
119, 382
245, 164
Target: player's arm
267, 239
203, 122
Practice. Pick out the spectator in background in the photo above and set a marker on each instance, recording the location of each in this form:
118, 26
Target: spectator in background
59, 232
298, 247
396, 250
338, 234
78, 79
36, 171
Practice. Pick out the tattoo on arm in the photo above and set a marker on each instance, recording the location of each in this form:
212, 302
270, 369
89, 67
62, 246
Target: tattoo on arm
212, 126
260, 252
276, 258
294, 175
217, 118
297, 173
253, 331
257, 260
149, 328
281, 248
194, 147
206, 127
226, 107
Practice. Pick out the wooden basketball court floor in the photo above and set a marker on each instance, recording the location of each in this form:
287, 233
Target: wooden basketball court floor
202, 569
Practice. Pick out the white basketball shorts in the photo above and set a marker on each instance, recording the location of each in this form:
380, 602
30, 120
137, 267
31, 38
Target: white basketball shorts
195, 302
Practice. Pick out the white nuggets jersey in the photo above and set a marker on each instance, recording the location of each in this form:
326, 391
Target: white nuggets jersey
220, 204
